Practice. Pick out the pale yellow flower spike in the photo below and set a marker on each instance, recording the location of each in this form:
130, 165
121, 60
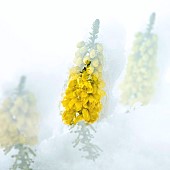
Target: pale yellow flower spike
18, 119
141, 70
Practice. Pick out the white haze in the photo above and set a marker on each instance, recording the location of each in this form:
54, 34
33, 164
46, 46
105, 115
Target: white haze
38, 39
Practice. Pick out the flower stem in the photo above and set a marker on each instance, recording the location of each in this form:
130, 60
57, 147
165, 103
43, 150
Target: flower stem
151, 23
21, 85
24, 158
93, 34
84, 138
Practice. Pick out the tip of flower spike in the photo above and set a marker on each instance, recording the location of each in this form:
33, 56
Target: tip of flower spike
93, 34
151, 22
152, 18
96, 25
97, 22
22, 79
21, 84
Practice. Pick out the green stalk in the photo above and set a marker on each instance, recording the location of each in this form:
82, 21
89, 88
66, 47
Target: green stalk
84, 139
151, 24
21, 85
24, 157
93, 34
92, 38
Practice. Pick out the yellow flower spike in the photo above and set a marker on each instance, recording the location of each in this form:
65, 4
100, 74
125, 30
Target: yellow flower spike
84, 92
86, 115
14, 120
138, 83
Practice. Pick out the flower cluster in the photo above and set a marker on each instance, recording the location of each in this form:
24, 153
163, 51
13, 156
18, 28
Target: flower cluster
18, 119
82, 99
141, 71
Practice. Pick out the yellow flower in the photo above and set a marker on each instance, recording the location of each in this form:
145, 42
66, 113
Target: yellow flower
95, 62
18, 117
99, 48
82, 99
78, 106
78, 119
92, 53
86, 115
90, 69
86, 60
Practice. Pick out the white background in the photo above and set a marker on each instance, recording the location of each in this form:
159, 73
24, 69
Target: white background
38, 39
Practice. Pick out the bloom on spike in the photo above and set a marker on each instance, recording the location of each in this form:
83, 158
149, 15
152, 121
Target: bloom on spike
84, 92
141, 70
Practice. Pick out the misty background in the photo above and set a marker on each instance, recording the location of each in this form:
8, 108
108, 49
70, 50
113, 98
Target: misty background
38, 39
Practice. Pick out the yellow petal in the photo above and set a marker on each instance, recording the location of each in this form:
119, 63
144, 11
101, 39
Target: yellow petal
84, 94
78, 119
90, 70
99, 48
71, 103
86, 115
92, 53
78, 106
95, 63
86, 60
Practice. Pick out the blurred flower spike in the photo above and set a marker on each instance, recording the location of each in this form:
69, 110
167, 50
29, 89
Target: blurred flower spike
19, 121
141, 70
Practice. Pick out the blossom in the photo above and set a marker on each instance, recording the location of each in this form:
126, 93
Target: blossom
84, 92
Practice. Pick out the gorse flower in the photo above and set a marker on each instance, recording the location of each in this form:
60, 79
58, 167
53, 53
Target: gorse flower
141, 70
82, 98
